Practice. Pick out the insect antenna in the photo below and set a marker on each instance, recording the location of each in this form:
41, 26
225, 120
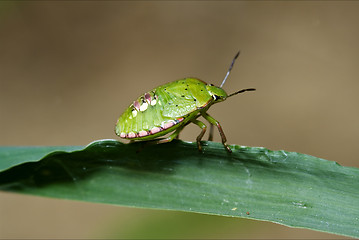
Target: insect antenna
230, 68
240, 91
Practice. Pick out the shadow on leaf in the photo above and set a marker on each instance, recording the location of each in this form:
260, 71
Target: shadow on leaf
68, 167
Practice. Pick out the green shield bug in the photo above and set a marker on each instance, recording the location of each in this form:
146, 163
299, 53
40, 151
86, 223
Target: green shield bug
170, 107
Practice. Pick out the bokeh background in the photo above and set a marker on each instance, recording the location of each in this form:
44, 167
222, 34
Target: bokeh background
69, 69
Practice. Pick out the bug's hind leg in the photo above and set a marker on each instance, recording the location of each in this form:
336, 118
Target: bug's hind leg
210, 137
199, 137
215, 122
166, 140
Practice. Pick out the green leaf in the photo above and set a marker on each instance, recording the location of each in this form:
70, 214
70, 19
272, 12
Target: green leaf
289, 188
12, 156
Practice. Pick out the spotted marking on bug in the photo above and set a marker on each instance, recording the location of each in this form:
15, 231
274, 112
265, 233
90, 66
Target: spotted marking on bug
142, 133
136, 105
134, 113
168, 124
144, 107
131, 135
148, 98
123, 135
180, 119
155, 130
154, 99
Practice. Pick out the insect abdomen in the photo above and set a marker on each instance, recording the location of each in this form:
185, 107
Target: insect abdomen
143, 119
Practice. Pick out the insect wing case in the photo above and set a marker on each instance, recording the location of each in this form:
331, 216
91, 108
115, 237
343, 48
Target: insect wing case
148, 115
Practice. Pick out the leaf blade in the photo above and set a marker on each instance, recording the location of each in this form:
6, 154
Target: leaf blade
292, 189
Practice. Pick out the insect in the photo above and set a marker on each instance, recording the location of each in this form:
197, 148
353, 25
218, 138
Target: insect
170, 107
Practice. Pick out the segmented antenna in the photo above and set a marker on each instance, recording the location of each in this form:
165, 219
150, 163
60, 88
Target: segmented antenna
240, 91
230, 68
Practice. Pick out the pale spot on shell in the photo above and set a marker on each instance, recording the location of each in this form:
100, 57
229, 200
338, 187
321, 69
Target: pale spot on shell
148, 97
142, 133
155, 130
143, 106
131, 135
153, 102
136, 105
134, 113
123, 135
168, 124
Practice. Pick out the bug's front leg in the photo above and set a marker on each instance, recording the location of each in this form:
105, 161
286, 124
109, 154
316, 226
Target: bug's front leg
215, 122
199, 137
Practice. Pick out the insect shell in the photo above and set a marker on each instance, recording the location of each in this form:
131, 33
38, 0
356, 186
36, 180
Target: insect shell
170, 107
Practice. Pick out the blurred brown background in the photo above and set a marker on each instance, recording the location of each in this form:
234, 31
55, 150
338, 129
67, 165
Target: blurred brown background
69, 69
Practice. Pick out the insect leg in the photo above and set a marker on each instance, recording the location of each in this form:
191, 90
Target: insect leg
199, 137
168, 139
210, 137
177, 137
215, 122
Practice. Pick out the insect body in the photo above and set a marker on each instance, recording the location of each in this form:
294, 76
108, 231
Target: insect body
170, 107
